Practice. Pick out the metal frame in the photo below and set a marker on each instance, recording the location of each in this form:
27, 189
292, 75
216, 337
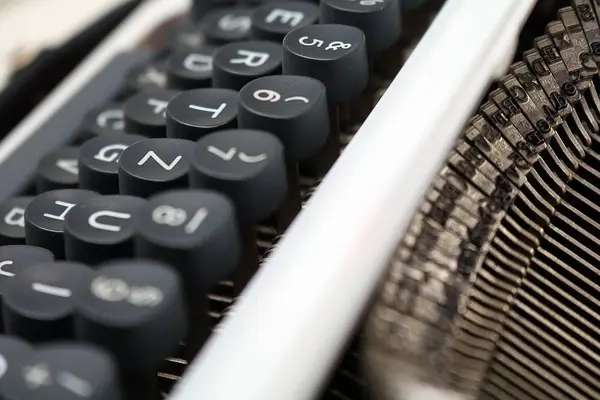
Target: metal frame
288, 329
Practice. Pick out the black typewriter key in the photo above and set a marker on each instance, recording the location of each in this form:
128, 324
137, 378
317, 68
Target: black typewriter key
154, 165
101, 229
245, 164
135, 310
334, 54
186, 37
45, 215
16, 257
58, 170
195, 113
148, 76
99, 162
12, 220
273, 21
74, 371
224, 25
39, 302
191, 69
103, 120
295, 109
145, 112
236, 64
195, 231
378, 20
249, 167
201, 7
15, 381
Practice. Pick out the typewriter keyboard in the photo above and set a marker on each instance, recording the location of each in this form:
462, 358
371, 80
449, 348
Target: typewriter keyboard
131, 220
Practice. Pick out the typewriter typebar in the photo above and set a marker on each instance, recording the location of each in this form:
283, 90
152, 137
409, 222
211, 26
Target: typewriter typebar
492, 292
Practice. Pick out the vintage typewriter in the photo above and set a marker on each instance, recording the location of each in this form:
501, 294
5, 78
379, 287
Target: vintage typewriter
287, 200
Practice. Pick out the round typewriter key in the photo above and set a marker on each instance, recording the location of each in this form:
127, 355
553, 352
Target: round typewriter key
101, 229
98, 162
103, 120
378, 20
201, 7
134, 309
236, 64
334, 54
273, 21
249, 167
224, 25
295, 109
195, 113
145, 112
58, 170
15, 356
191, 69
16, 257
12, 220
45, 215
187, 37
148, 76
74, 371
381, 24
154, 165
196, 229
40, 300
196, 232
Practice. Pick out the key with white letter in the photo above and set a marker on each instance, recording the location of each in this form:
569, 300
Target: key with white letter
73, 371
135, 310
191, 68
101, 229
147, 76
249, 167
226, 25
15, 356
12, 220
154, 166
295, 109
99, 161
334, 54
337, 56
45, 216
145, 112
196, 231
58, 170
236, 64
272, 21
196, 113
379, 20
40, 300
16, 257
102, 120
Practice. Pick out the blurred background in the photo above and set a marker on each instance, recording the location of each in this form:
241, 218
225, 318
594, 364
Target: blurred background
41, 41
